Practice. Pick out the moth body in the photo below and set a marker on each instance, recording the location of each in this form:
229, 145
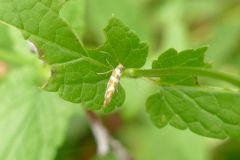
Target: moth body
113, 84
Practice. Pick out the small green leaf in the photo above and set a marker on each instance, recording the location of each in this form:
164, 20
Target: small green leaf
75, 69
32, 122
209, 112
188, 58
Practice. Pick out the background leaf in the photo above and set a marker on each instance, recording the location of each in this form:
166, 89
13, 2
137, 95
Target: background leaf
34, 124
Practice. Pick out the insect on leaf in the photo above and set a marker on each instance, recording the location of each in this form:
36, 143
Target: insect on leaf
75, 69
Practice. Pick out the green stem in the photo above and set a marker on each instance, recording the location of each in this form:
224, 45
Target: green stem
135, 73
15, 59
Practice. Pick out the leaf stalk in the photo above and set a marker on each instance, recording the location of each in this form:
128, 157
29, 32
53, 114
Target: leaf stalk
190, 71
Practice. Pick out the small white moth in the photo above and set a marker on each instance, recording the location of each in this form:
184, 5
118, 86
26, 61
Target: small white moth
112, 84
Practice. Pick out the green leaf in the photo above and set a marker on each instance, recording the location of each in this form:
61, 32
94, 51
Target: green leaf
75, 69
209, 112
41, 23
32, 122
188, 58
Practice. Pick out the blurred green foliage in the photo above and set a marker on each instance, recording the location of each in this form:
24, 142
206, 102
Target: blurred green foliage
163, 24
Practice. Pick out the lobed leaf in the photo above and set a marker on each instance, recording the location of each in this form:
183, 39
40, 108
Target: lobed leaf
75, 69
188, 58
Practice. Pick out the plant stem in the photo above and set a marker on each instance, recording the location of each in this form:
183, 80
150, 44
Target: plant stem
100, 133
191, 71
104, 140
15, 59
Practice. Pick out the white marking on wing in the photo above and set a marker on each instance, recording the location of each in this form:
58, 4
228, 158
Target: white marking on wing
114, 79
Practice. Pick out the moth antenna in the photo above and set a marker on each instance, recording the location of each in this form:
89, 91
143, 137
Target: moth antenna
104, 72
109, 63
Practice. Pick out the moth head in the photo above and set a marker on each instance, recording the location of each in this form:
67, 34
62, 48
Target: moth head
120, 67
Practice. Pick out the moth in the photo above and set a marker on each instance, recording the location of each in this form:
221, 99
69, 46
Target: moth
112, 84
